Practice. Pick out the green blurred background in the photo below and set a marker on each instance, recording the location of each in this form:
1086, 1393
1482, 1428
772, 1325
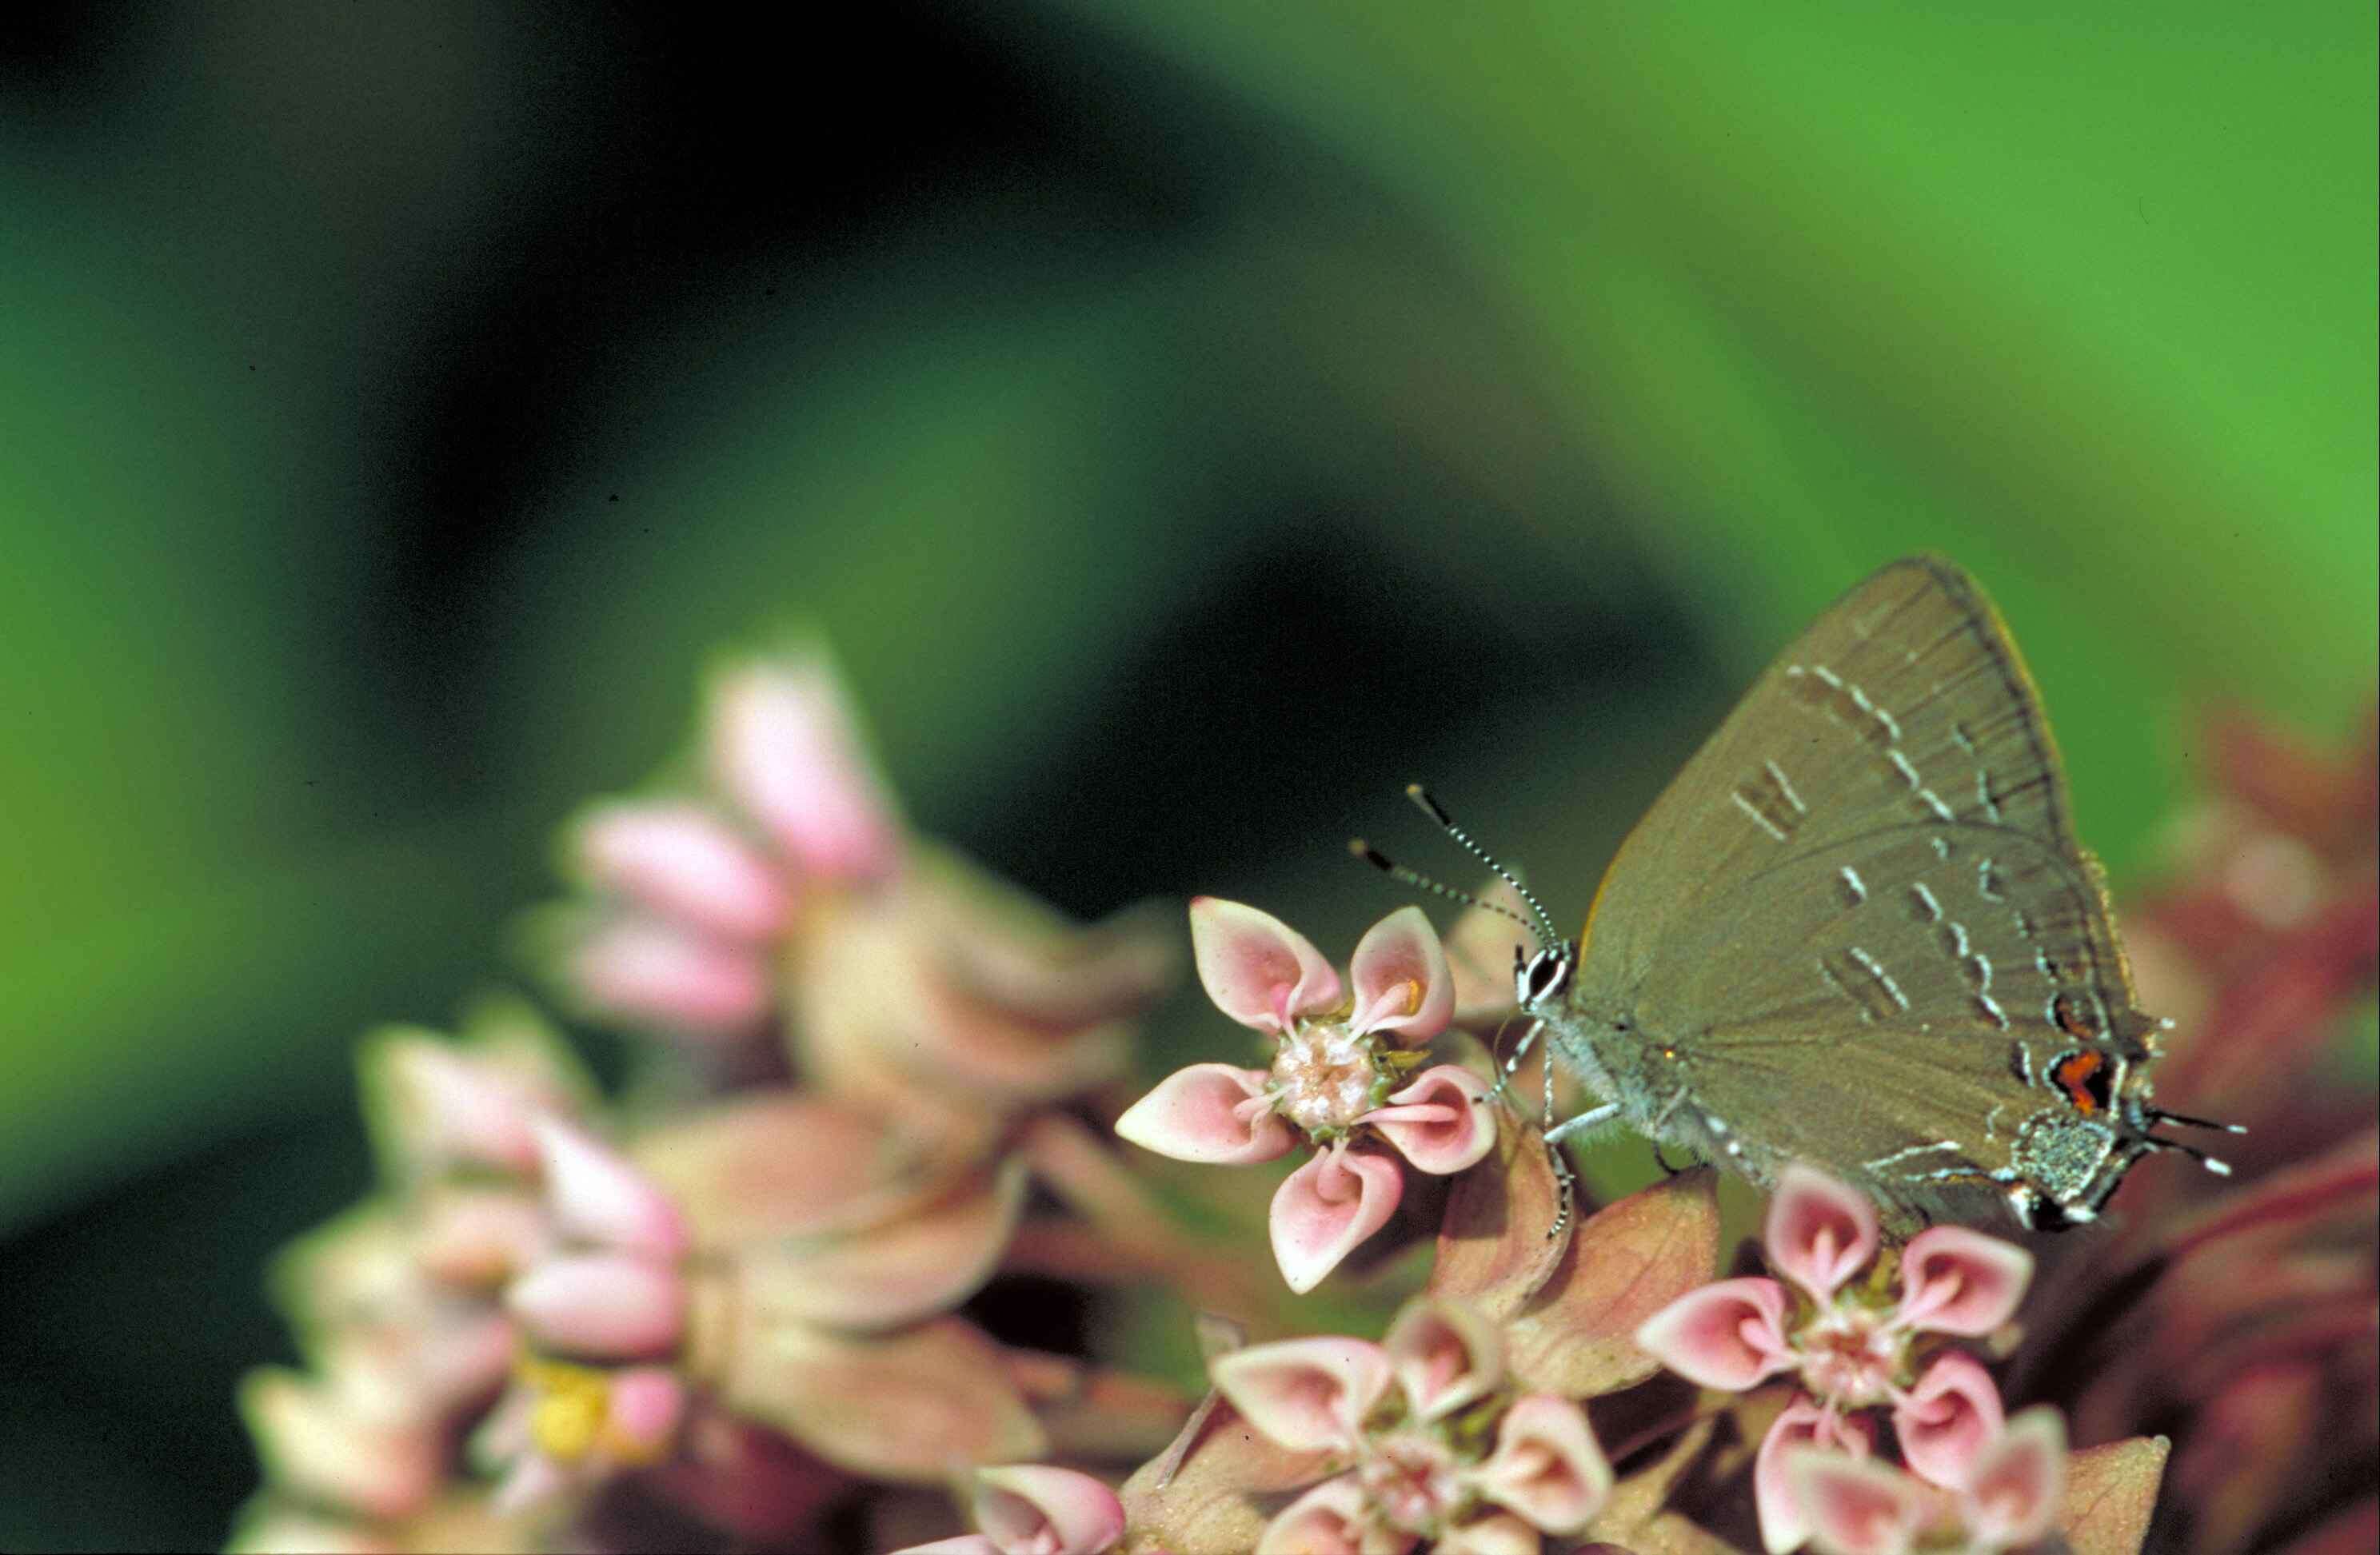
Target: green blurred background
1191, 422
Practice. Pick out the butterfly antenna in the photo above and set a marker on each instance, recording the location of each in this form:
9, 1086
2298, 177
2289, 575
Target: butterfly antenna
1399, 873
2216, 1164
1547, 935
2187, 1121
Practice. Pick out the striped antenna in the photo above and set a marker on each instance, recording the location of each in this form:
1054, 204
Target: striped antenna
1548, 936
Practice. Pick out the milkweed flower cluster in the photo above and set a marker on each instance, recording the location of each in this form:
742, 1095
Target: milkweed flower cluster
1853, 1342
763, 1300
1430, 1438
1347, 1076
723, 1307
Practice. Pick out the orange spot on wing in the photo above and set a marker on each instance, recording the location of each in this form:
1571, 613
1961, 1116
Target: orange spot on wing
2074, 1076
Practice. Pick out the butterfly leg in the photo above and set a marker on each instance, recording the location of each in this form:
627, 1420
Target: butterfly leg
1555, 1134
1511, 1066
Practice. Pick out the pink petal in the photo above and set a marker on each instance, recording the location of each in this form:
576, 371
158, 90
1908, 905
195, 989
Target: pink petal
1499, 1533
1948, 1418
452, 1106
1030, 1509
961, 1544
682, 863
1958, 1281
1211, 1113
1441, 1122
1804, 1423
1728, 1335
316, 1446
1820, 1232
1446, 1355
610, 1305
1330, 1519
1308, 1395
1400, 978
1258, 971
786, 746
1547, 1466
1855, 1506
2018, 1481
1326, 1208
597, 1196
648, 1404
641, 971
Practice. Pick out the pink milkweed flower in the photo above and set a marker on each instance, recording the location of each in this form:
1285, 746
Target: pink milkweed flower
1343, 1075
1429, 1438
784, 898
1850, 1345
1030, 1509
2006, 1497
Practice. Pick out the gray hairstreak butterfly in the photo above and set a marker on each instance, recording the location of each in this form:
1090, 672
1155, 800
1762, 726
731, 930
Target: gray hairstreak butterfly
1858, 931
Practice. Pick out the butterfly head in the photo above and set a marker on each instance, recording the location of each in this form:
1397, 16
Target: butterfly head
1539, 979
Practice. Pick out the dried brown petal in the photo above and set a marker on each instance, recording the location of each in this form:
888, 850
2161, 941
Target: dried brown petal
1214, 1489
1576, 1336
2111, 1491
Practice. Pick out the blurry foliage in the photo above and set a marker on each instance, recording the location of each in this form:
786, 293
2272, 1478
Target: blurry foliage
1190, 422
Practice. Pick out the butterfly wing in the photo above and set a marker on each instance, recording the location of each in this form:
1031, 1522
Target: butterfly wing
1859, 922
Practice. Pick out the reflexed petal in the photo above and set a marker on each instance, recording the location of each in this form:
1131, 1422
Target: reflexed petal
640, 971
1307, 1395
1329, 1519
1326, 1208
1446, 1356
1855, 1506
1497, 1534
1728, 1335
786, 746
1948, 1418
597, 1195
1804, 1423
1441, 1122
612, 1305
313, 1444
1400, 978
908, 1405
283, 1530
959, 1544
2018, 1480
1547, 1466
444, 1104
1258, 971
1820, 1232
682, 862
1211, 1113
1047, 1511
925, 1260
1958, 1281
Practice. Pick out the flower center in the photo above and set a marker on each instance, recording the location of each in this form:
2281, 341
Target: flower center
1413, 1480
1850, 1356
1323, 1077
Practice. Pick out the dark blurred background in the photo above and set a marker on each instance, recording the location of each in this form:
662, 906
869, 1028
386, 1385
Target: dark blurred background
1190, 422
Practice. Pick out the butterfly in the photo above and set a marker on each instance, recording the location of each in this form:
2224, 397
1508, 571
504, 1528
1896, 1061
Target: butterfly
1858, 932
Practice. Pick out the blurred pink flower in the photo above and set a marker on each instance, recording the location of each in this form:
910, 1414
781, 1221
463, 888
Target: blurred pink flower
1343, 1075
1030, 1509
785, 901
